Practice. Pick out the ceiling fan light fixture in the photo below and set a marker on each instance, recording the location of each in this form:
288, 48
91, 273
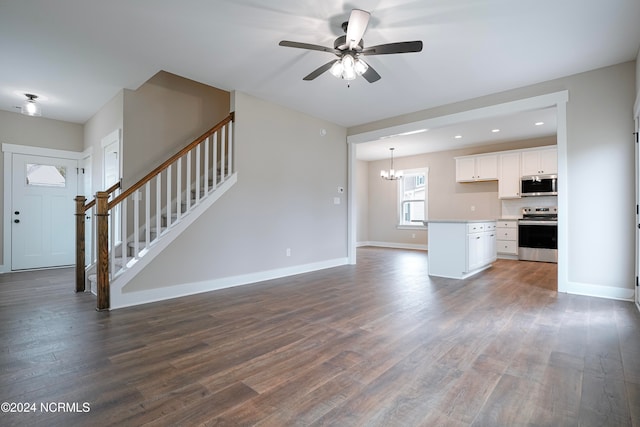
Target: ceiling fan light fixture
29, 107
360, 66
336, 69
350, 47
349, 70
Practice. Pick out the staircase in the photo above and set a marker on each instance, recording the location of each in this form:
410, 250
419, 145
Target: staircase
135, 225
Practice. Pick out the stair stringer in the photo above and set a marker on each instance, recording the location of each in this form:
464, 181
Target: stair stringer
120, 299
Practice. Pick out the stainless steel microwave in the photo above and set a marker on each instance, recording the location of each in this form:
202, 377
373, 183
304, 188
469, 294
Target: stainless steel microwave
539, 185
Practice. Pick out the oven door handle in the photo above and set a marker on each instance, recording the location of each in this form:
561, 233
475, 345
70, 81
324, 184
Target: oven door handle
537, 222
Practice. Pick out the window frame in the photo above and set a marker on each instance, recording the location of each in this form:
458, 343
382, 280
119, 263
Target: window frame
401, 201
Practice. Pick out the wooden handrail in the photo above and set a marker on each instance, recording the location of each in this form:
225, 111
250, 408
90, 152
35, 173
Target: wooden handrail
170, 161
103, 206
110, 190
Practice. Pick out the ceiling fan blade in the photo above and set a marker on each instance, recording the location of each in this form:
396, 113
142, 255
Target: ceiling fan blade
356, 27
389, 48
308, 46
371, 75
315, 73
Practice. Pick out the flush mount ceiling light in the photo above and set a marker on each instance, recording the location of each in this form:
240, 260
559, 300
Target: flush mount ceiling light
391, 174
30, 107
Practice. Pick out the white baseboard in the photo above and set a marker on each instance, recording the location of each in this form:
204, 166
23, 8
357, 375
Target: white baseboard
127, 299
609, 292
391, 245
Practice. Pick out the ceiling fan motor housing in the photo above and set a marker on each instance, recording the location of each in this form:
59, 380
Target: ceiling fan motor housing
341, 43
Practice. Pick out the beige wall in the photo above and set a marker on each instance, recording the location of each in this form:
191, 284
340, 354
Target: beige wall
599, 143
447, 199
37, 132
162, 116
288, 176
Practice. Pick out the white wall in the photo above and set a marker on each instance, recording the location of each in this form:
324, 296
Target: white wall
18, 129
599, 144
288, 176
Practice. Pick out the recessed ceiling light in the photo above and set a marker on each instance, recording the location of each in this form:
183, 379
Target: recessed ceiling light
458, 136
495, 130
539, 123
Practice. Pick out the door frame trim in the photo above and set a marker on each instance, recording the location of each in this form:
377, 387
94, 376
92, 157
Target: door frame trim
8, 151
636, 119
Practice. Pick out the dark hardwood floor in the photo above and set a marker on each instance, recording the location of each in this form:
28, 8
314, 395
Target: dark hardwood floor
377, 344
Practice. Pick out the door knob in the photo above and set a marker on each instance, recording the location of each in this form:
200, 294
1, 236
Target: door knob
17, 212
16, 221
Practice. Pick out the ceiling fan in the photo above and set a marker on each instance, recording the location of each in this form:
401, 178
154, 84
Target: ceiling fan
350, 48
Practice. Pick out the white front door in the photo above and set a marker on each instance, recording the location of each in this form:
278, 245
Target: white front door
42, 211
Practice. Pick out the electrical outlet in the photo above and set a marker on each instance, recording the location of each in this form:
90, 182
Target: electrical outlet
473, 208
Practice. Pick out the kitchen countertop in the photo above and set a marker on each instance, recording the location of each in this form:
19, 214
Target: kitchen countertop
459, 221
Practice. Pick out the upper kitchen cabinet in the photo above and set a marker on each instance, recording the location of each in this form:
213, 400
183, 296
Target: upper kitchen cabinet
543, 161
477, 168
509, 175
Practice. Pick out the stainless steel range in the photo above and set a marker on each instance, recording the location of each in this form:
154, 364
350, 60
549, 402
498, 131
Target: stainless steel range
538, 234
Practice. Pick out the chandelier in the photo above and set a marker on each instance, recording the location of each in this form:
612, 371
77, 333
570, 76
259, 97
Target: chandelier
391, 174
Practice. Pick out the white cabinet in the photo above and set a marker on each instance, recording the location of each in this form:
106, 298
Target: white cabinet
460, 249
481, 246
509, 176
507, 238
544, 161
477, 168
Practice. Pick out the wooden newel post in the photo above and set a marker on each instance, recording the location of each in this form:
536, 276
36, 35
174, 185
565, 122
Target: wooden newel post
80, 278
102, 216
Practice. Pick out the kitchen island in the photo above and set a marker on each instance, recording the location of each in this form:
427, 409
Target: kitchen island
458, 249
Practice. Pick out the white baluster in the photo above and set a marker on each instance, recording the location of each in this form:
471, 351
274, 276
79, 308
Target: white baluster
198, 174
179, 189
112, 241
223, 163
206, 166
188, 180
215, 160
147, 215
168, 213
230, 139
158, 203
136, 224
123, 226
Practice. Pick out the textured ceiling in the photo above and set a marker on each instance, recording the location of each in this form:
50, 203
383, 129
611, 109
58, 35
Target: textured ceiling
77, 54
